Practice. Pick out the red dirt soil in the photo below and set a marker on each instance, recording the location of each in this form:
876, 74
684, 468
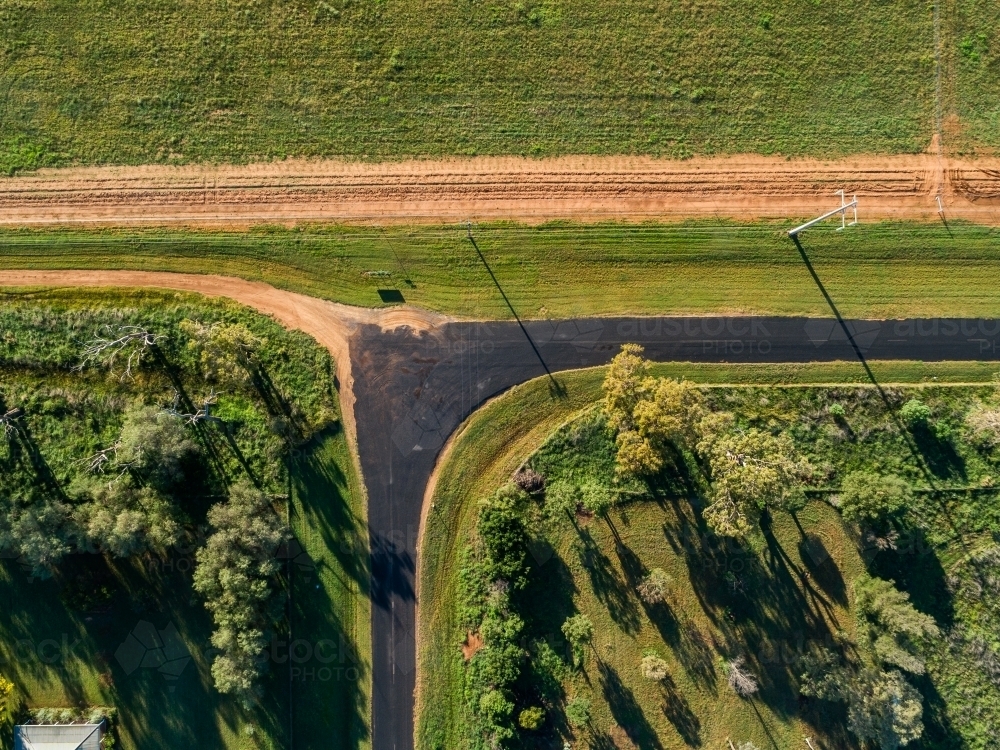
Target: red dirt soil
508, 188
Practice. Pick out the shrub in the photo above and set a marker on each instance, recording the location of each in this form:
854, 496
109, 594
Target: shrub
838, 411
531, 718
868, 496
654, 668
578, 630
529, 480
578, 712
505, 537
914, 413
654, 588
495, 705
983, 427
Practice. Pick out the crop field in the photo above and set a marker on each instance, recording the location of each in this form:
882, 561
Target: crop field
88, 82
77, 605
881, 270
772, 599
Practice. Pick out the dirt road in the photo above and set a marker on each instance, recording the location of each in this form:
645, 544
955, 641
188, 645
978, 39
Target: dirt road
479, 189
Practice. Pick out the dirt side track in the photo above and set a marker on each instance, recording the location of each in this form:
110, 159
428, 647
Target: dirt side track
503, 188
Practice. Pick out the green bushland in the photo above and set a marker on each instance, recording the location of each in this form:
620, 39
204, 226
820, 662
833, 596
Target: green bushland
789, 589
880, 270
280, 432
188, 81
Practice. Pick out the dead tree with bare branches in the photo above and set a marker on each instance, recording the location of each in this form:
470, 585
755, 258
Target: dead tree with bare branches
113, 345
97, 462
202, 414
10, 420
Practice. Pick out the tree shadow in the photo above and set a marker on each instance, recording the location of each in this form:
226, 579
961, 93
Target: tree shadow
939, 454
821, 565
626, 709
917, 570
939, 732
328, 526
608, 585
678, 712
30, 455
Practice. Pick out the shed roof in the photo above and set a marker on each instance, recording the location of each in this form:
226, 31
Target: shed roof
58, 737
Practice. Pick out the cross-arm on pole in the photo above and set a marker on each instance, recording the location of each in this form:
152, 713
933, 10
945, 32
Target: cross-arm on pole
844, 205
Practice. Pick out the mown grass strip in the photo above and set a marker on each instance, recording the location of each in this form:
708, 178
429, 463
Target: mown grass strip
874, 271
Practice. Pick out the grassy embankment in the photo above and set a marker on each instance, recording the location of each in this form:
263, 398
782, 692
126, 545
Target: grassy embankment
882, 270
496, 440
59, 644
189, 81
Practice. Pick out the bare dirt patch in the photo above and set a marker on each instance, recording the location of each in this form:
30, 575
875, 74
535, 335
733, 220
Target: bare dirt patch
472, 643
480, 189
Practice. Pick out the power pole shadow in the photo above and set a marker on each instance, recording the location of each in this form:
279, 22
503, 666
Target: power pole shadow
556, 385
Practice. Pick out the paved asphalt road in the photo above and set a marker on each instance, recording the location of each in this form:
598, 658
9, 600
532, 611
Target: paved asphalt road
414, 390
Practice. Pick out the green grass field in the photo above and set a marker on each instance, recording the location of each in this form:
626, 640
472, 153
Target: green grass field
973, 98
881, 270
184, 80
959, 699
60, 643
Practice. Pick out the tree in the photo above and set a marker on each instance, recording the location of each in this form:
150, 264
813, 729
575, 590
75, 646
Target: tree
883, 707
155, 446
915, 413
227, 352
669, 411
654, 588
623, 386
6, 691
654, 668
505, 537
532, 718
742, 681
121, 519
750, 471
36, 528
870, 497
636, 455
596, 498
579, 631
825, 676
578, 712
896, 628
235, 573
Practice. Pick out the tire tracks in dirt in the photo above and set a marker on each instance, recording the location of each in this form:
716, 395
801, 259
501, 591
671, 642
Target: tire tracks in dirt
502, 188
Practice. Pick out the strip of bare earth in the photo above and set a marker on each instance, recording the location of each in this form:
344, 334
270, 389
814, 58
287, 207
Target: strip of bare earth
580, 188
